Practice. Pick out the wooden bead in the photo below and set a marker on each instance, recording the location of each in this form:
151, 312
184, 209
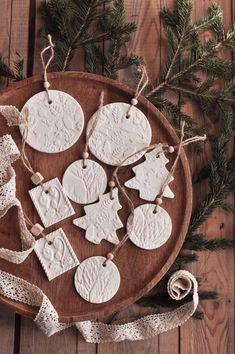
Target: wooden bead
171, 149
46, 84
36, 230
37, 178
110, 256
85, 155
159, 201
111, 184
134, 101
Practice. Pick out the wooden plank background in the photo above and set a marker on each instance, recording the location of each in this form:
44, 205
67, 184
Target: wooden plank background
20, 22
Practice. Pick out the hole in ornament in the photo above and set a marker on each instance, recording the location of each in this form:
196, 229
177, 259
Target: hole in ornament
49, 243
155, 211
47, 191
112, 198
50, 102
157, 156
128, 116
84, 166
104, 264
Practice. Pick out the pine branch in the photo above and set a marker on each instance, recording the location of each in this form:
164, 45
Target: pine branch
188, 56
71, 25
15, 74
197, 242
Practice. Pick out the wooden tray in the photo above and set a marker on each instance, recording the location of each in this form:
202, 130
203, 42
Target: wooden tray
140, 269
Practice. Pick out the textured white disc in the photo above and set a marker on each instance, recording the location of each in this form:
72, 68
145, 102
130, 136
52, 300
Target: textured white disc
82, 184
53, 127
149, 230
116, 137
95, 282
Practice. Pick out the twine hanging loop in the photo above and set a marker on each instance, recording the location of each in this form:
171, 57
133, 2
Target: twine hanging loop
45, 65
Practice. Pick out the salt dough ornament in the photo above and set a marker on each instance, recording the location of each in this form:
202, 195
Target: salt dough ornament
150, 228
83, 183
101, 220
97, 280
52, 127
151, 175
51, 202
55, 254
117, 135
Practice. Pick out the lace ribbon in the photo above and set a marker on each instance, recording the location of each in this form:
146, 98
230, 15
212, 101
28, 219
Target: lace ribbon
8, 154
179, 286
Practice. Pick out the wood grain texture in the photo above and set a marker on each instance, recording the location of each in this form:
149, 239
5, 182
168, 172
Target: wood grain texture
216, 333
33, 341
7, 331
151, 265
19, 31
216, 269
7, 318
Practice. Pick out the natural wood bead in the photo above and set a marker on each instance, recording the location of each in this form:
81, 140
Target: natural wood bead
110, 256
171, 149
85, 155
46, 84
37, 178
134, 101
37, 229
159, 201
111, 184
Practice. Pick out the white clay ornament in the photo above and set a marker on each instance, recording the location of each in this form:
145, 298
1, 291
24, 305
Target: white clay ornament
97, 280
150, 228
101, 220
52, 127
119, 134
150, 175
51, 202
55, 254
84, 181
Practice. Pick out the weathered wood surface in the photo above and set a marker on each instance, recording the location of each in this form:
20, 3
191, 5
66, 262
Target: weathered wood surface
215, 334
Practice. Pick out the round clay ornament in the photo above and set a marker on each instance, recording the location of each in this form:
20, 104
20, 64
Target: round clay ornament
53, 127
119, 134
97, 281
84, 181
149, 229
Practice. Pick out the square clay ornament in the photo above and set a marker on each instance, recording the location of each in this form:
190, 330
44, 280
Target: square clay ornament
51, 202
55, 254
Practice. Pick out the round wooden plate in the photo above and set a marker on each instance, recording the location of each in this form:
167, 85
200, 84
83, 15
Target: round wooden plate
140, 270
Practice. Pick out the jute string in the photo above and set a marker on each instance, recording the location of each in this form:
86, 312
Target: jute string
23, 156
115, 177
46, 65
139, 89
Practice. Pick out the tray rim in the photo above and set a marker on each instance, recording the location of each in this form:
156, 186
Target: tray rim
31, 312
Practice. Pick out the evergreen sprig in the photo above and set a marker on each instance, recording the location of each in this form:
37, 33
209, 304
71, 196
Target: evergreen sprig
15, 74
188, 57
91, 25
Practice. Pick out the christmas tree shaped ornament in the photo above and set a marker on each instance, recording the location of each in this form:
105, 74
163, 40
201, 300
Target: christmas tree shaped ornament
122, 130
150, 175
55, 119
85, 180
55, 254
101, 220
